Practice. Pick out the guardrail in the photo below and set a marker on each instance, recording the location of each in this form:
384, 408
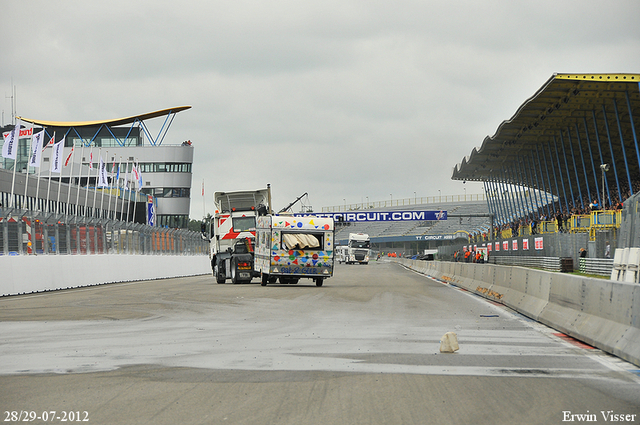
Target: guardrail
598, 266
545, 263
33, 233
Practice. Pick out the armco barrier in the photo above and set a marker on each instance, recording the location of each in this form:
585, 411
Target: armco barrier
602, 313
29, 273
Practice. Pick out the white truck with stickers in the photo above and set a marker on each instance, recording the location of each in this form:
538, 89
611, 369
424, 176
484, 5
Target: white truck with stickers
358, 248
289, 248
234, 229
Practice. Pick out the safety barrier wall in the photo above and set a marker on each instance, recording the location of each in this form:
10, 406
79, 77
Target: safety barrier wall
602, 313
30, 273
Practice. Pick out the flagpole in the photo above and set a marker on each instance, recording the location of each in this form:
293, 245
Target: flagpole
86, 192
26, 180
113, 167
79, 179
95, 188
124, 186
38, 188
104, 164
60, 179
50, 165
135, 201
39, 174
115, 207
16, 143
203, 203
70, 158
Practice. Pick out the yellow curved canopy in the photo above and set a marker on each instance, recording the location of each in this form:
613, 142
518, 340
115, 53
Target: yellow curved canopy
111, 122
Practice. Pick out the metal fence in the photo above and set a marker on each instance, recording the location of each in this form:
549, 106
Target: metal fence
32, 233
593, 266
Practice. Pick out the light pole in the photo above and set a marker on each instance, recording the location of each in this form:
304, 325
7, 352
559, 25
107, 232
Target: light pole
415, 198
391, 196
440, 195
345, 203
604, 168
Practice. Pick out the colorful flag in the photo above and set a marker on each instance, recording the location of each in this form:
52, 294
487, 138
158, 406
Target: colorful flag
137, 175
51, 142
56, 156
10, 147
102, 177
91, 160
139, 180
69, 157
36, 151
134, 170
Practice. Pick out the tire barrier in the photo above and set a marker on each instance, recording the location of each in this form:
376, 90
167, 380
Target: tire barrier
601, 313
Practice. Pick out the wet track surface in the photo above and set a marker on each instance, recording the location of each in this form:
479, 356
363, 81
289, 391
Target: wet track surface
364, 348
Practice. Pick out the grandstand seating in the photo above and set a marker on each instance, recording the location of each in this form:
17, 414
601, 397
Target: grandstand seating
379, 229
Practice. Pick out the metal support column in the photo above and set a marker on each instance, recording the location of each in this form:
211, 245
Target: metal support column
584, 166
566, 164
575, 168
606, 182
613, 160
624, 153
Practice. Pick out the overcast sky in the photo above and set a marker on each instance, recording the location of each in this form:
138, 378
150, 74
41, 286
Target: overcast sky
346, 100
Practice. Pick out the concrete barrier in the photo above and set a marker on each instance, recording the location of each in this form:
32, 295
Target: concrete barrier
37, 273
602, 313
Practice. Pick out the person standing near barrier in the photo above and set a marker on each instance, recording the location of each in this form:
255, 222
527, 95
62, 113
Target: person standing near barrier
607, 250
559, 218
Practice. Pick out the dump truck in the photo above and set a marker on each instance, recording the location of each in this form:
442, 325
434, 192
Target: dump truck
289, 248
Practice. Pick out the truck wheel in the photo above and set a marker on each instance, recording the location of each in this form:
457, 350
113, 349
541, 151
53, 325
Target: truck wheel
220, 278
264, 279
319, 281
234, 275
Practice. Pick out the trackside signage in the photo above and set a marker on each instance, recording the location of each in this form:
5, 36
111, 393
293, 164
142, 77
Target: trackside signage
381, 216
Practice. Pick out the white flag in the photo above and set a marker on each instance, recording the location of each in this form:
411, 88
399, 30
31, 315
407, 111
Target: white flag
10, 147
56, 157
102, 174
36, 149
137, 178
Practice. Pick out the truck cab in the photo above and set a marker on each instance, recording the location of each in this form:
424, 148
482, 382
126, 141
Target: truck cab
358, 248
234, 230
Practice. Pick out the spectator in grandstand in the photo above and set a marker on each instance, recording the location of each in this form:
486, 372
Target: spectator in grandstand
560, 220
534, 226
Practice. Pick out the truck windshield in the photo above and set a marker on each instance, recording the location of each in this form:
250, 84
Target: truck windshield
359, 244
244, 224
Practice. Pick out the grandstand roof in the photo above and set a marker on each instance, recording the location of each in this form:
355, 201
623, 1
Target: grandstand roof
110, 122
564, 110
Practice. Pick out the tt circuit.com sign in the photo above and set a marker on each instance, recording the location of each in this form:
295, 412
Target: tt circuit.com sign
352, 217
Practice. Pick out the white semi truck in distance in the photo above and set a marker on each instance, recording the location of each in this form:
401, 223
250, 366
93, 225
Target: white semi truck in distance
358, 248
